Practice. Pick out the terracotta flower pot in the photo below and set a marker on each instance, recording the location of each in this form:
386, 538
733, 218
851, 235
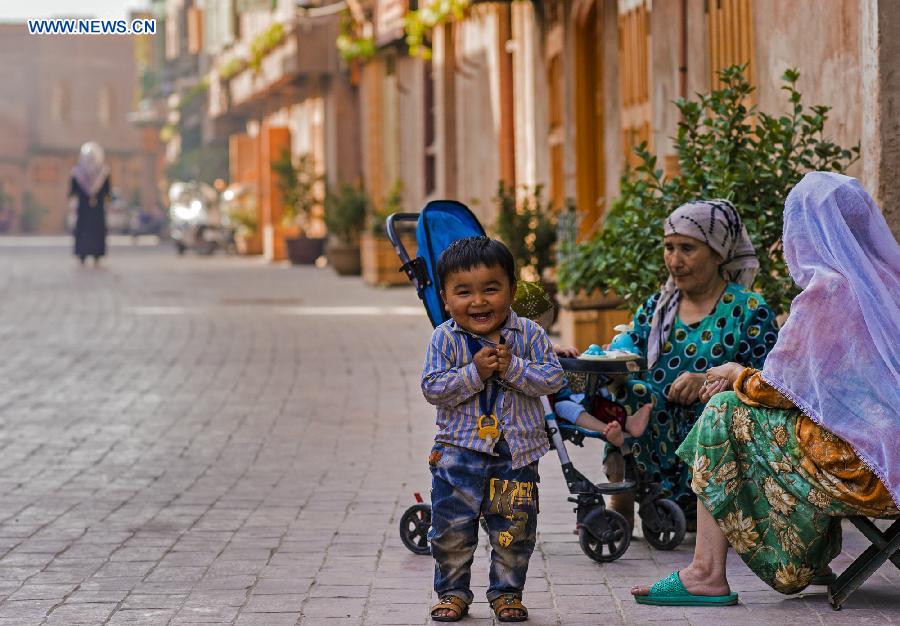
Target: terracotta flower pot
380, 263
248, 245
344, 258
304, 250
589, 318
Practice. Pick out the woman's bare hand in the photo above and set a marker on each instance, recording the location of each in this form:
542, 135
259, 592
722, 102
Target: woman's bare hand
570, 352
686, 388
712, 386
726, 371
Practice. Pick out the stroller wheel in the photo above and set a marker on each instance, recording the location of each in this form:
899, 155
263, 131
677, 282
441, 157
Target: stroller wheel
667, 532
604, 535
414, 526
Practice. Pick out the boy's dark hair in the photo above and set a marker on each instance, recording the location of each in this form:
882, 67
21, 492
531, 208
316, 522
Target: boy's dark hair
465, 254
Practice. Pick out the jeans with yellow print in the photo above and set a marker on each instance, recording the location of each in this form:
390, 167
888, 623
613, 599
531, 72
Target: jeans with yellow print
466, 485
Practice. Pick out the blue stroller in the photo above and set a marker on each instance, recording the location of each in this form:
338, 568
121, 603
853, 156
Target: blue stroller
603, 534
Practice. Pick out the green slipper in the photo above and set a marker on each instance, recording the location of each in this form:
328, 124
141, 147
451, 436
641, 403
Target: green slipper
671, 592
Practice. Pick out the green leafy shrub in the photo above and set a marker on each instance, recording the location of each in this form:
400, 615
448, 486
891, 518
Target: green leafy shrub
231, 68
417, 24
345, 212
263, 44
725, 150
298, 184
245, 220
393, 203
33, 213
194, 93
204, 163
350, 44
528, 227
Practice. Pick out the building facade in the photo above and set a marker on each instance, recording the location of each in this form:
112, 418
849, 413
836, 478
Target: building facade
59, 92
539, 93
557, 92
276, 87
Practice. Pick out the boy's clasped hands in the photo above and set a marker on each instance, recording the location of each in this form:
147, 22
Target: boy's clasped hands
491, 360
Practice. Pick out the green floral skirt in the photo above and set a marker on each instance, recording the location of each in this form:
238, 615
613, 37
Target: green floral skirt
746, 471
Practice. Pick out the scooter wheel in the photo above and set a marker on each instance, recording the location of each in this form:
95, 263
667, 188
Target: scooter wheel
604, 535
206, 248
668, 531
414, 526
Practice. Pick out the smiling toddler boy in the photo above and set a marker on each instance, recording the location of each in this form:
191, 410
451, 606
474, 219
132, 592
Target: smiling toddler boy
485, 370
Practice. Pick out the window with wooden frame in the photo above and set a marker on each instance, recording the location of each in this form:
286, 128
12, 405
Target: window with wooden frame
391, 120
555, 114
730, 27
195, 30
373, 95
430, 134
105, 108
61, 103
590, 170
634, 75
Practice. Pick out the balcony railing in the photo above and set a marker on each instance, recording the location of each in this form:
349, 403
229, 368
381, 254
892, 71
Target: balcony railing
307, 49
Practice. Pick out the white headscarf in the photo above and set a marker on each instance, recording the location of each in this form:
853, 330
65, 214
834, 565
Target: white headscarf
91, 170
717, 224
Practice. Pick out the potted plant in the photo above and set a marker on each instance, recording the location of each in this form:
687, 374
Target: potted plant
299, 185
588, 313
345, 216
246, 236
527, 225
380, 264
239, 205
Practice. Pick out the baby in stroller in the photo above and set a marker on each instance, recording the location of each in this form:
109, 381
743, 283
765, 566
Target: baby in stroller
605, 416
599, 414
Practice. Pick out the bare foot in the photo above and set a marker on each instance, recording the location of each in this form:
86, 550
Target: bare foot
614, 435
697, 583
636, 423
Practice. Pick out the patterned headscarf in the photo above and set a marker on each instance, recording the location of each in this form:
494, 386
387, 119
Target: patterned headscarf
91, 170
837, 357
717, 224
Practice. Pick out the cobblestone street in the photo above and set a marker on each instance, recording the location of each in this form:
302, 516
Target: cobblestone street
218, 440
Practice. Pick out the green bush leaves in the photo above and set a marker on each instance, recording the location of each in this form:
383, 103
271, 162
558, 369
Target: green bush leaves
726, 149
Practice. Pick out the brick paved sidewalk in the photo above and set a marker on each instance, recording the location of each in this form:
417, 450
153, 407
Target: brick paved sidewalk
215, 440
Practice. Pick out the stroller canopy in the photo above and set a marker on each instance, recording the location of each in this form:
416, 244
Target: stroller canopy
441, 223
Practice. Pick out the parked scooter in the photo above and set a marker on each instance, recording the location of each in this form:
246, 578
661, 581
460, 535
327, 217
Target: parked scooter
195, 220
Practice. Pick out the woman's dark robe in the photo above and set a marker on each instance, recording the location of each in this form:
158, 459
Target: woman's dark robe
90, 226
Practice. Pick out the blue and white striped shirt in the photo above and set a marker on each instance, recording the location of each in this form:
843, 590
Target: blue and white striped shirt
450, 381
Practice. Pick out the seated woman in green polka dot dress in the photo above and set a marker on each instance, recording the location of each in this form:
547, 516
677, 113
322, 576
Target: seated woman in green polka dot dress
704, 316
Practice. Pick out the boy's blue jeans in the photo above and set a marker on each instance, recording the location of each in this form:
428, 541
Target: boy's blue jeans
465, 485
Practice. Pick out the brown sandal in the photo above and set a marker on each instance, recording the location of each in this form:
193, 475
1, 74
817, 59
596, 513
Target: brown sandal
450, 603
509, 602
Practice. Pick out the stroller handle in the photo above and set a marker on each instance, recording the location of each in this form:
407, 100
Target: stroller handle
413, 268
390, 226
